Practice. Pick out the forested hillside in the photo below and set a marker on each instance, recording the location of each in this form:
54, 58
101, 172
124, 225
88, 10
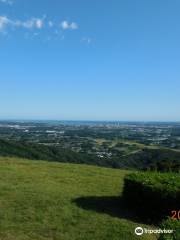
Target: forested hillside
146, 159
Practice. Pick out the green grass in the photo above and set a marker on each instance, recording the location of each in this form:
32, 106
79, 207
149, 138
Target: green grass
53, 201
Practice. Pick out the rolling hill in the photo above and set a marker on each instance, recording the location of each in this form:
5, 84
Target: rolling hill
42, 200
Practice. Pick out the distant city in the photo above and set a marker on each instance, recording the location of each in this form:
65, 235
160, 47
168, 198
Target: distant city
104, 139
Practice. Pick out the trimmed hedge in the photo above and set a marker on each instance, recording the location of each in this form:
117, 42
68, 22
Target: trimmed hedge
154, 195
172, 225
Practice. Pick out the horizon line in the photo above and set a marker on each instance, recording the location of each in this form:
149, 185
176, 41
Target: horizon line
80, 120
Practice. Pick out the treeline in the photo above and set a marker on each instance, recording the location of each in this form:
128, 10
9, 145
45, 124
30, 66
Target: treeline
146, 159
160, 159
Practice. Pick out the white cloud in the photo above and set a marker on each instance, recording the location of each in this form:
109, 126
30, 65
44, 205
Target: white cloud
32, 27
39, 23
9, 2
66, 25
36, 23
4, 21
30, 23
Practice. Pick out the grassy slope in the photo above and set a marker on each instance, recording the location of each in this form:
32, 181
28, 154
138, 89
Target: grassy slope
53, 201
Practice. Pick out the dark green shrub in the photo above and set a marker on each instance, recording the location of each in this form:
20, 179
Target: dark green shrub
170, 224
154, 195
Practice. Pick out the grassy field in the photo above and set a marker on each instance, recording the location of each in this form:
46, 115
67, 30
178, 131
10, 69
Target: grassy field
53, 201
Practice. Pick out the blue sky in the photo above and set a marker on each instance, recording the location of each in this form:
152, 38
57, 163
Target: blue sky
90, 60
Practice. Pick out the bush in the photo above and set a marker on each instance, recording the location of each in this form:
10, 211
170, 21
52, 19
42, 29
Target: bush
170, 224
154, 195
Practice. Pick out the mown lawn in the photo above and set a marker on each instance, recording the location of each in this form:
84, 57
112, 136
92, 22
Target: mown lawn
53, 201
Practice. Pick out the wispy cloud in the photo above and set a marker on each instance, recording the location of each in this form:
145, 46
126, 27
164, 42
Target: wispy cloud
8, 2
32, 26
6, 22
31, 23
50, 23
66, 25
37, 23
87, 40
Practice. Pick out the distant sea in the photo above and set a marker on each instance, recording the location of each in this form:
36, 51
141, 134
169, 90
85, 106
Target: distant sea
88, 123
